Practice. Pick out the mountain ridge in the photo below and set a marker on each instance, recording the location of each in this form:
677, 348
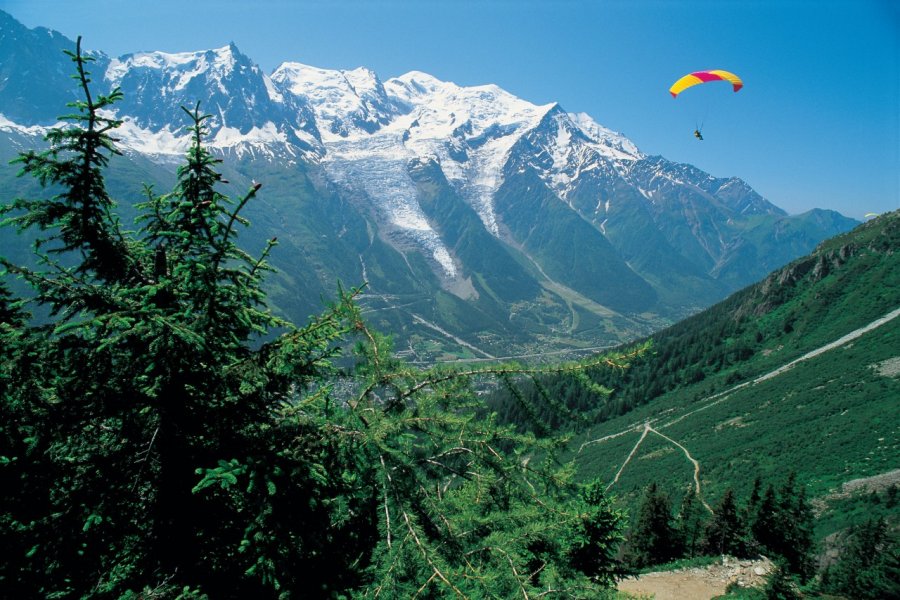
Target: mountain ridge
654, 240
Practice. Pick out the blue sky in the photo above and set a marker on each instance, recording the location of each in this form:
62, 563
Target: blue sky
816, 125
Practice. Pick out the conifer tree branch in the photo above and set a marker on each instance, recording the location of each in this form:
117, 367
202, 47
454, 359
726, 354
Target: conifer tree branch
426, 556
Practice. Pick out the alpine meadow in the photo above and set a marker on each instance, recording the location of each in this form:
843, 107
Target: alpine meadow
319, 335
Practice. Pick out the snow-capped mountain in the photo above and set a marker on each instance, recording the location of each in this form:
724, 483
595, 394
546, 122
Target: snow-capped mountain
373, 130
492, 217
248, 113
345, 102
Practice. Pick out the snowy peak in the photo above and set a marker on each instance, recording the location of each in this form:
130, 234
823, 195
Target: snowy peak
178, 70
565, 150
607, 142
732, 196
415, 84
345, 102
445, 109
468, 130
248, 112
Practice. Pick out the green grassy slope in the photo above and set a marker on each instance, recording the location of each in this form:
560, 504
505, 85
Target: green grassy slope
832, 418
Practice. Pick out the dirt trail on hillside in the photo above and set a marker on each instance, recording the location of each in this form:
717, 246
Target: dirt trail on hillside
722, 396
417, 319
694, 462
699, 583
725, 394
835, 344
649, 429
630, 454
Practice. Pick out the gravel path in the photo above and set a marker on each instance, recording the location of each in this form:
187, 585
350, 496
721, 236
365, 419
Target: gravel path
699, 583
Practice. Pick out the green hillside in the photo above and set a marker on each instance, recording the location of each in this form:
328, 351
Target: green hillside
831, 417
717, 384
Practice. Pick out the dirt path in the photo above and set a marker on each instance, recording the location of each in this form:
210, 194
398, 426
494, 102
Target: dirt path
724, 395
835, 344
609, 437
630, 454
649, 429
693, 461
699, 583
449, 335
673, 586
421, 321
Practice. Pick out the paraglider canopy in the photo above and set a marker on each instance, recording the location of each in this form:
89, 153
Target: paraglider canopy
698, 77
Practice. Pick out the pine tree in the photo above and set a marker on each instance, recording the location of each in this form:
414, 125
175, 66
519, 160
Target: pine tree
782, 527
725, 532
798, 546
753, 501
768, 523
654, 538
145, 374
594, 543
780, 585
690, 523
869, 566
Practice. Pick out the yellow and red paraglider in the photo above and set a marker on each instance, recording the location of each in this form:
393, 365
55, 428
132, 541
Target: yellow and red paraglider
698, 77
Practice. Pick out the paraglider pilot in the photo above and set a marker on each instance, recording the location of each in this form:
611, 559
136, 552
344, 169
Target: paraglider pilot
698, 77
